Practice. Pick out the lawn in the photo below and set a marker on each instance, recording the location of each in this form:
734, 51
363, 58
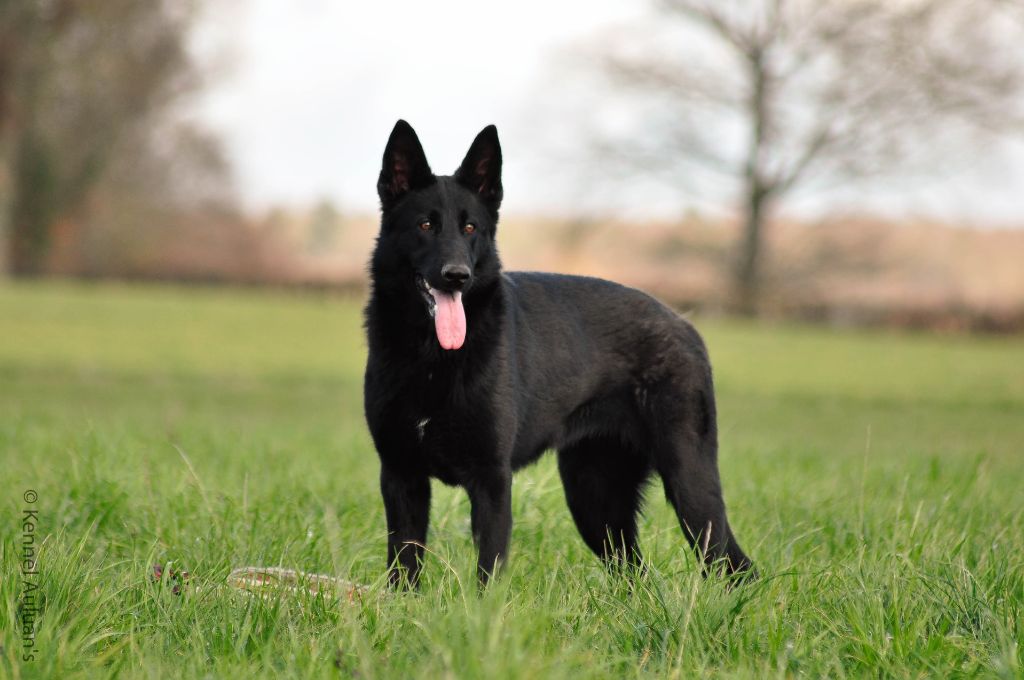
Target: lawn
875, 478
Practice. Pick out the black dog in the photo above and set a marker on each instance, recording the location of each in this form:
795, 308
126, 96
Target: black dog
473, 373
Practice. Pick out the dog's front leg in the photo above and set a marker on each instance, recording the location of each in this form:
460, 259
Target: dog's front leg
491, 501
407, 506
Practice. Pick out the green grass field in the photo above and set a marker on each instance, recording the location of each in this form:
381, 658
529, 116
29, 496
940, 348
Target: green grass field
875, 478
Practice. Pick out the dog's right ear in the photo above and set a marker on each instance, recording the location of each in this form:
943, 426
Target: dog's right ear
405, 165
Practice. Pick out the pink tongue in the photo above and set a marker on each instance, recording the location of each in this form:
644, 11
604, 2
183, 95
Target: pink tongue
449, 319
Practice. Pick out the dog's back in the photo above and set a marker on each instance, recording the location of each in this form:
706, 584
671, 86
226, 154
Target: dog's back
583, 345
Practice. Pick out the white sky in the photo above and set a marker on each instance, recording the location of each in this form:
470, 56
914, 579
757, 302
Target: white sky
313, 88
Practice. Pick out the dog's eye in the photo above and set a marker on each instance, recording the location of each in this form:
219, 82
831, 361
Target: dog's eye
469, 228
425, 225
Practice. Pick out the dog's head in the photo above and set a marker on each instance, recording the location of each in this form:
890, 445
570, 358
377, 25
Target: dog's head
437, 232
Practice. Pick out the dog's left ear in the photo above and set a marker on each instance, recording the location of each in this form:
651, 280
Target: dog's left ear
480, 171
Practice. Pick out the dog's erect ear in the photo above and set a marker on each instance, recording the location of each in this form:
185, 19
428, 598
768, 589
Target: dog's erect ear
480, 171
405, 165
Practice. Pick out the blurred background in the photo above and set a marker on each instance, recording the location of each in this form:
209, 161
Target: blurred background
187, 207
855, 162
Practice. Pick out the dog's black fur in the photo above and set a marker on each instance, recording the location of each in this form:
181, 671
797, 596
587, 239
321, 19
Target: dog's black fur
615, 381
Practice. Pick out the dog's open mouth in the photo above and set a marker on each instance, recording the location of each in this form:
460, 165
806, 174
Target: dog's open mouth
448, 313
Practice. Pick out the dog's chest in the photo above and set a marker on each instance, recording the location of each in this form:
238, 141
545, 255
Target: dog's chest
444, 446
452, 433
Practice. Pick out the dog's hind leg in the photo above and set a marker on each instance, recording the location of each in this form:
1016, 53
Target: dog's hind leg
686, 457
603, 480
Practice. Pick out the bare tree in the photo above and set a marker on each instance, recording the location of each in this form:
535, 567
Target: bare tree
779, 95
88, 89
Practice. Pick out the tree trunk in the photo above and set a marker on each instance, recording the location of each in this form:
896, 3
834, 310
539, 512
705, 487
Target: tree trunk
6, 203
748, 269
7, 52
33, 206
30, 191
757, 189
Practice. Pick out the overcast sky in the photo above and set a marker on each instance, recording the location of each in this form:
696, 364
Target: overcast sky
311, 89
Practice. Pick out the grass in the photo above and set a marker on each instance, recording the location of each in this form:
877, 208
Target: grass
875, 478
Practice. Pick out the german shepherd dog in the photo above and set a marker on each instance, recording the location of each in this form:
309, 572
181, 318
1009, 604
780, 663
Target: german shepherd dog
473, 373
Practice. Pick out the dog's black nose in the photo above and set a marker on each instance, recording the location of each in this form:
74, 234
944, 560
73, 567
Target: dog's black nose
455, 273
